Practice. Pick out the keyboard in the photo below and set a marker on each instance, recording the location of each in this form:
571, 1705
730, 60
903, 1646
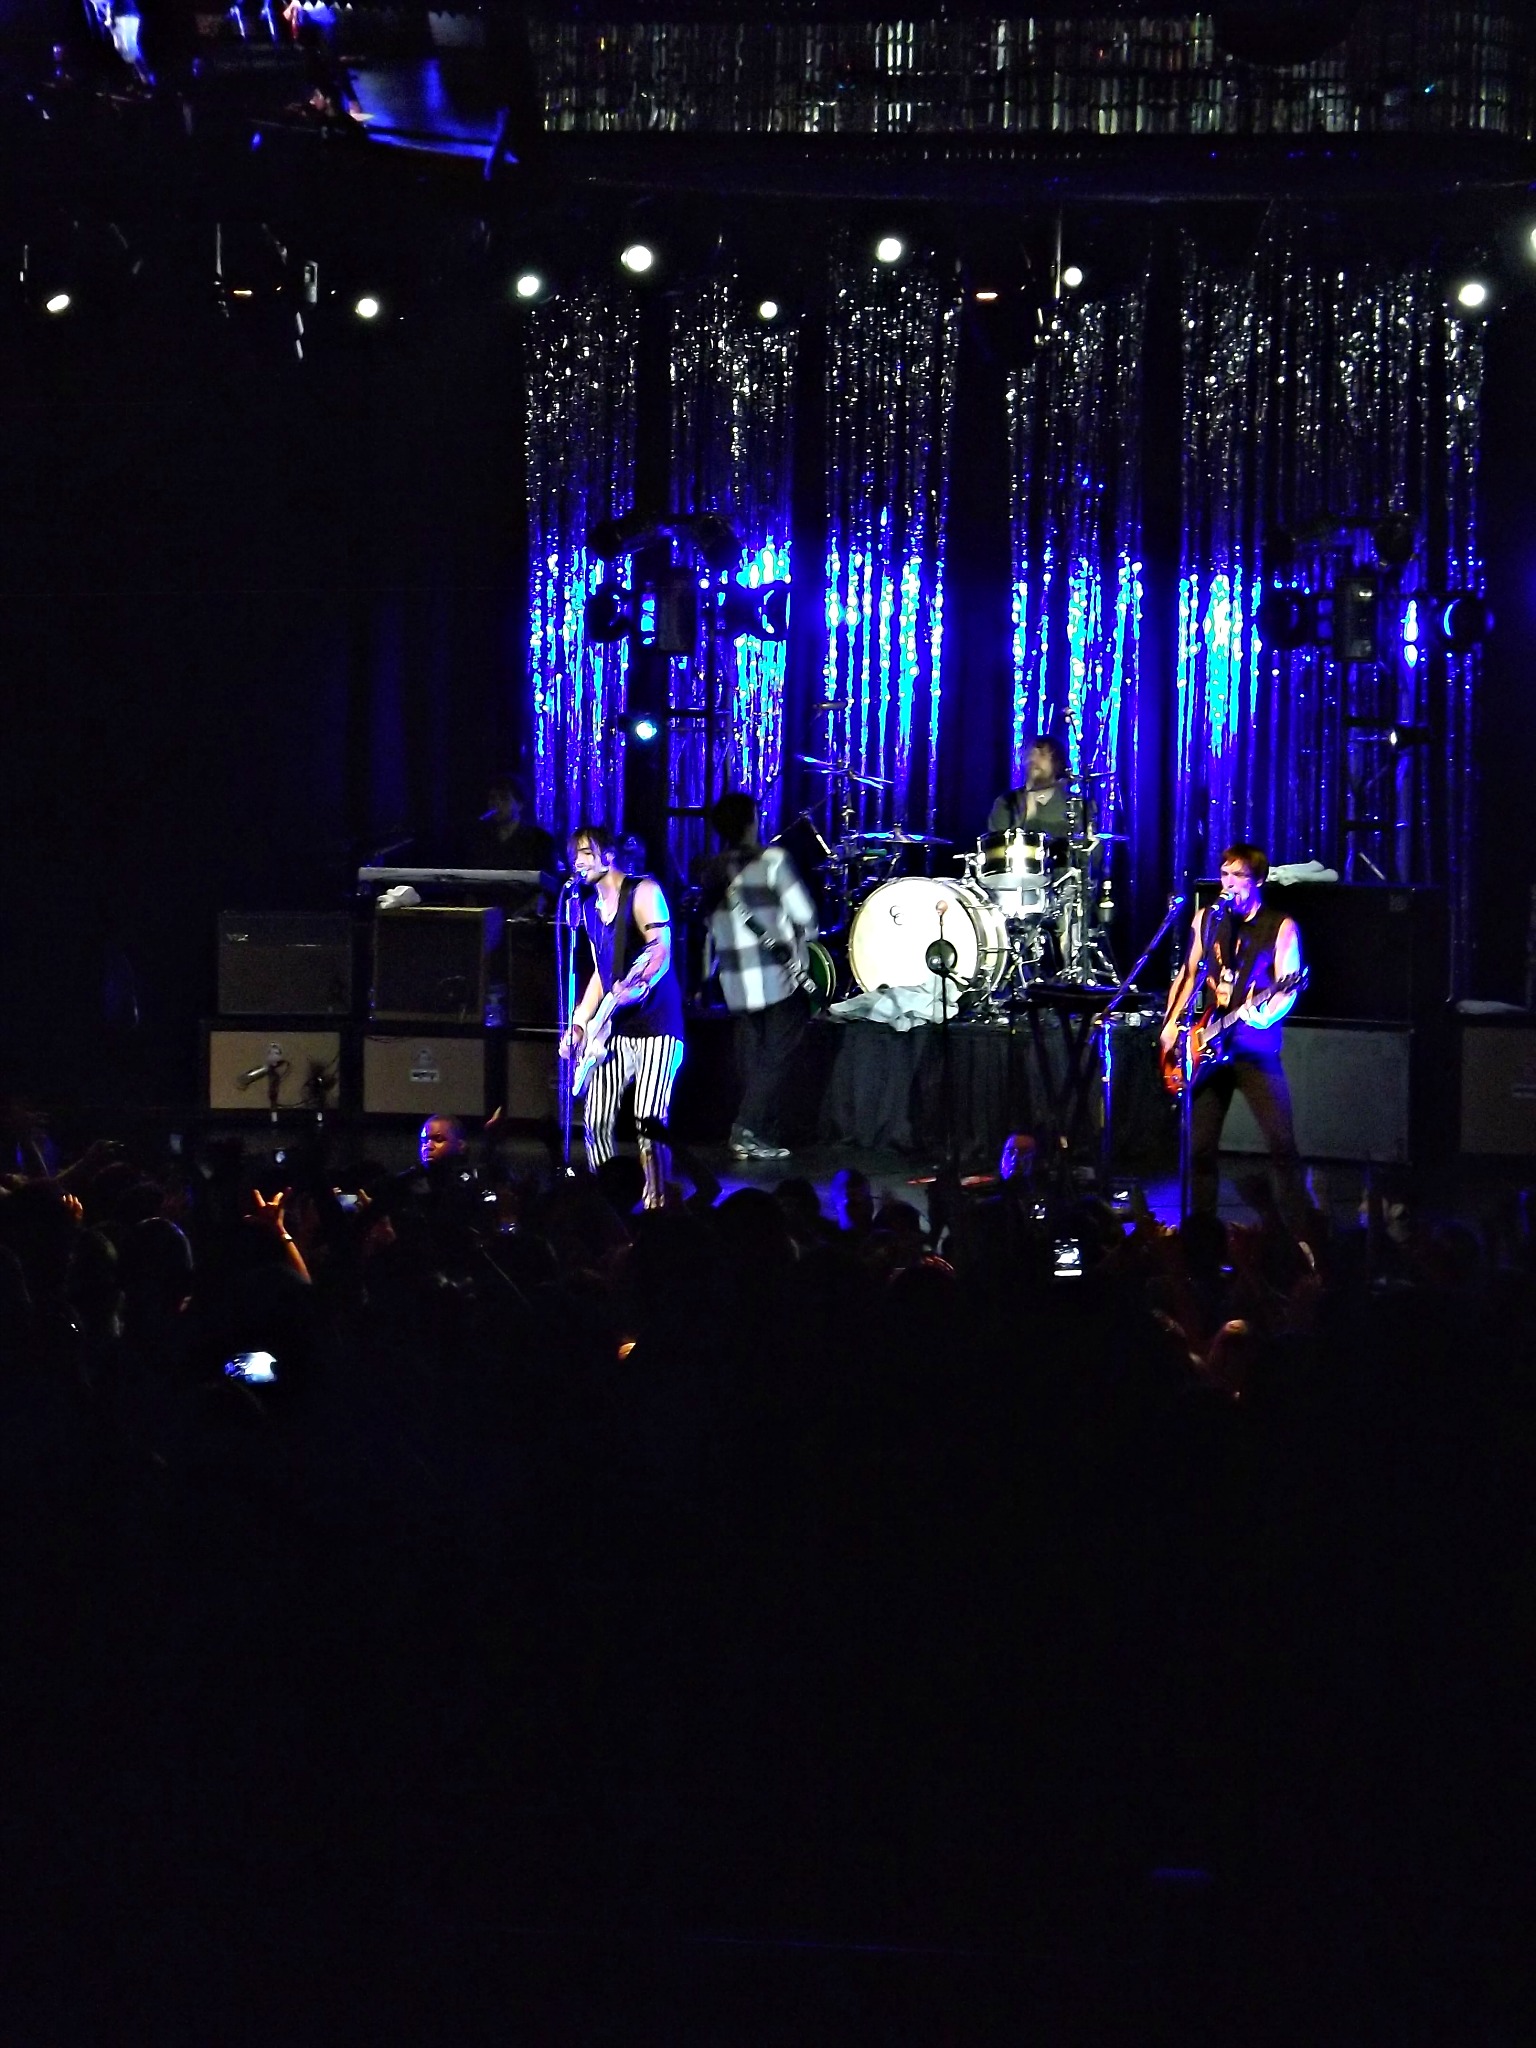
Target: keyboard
469, 878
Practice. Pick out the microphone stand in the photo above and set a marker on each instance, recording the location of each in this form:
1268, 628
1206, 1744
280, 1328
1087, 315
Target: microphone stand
567, 924
1101, 1025
1187, 1094
940, 960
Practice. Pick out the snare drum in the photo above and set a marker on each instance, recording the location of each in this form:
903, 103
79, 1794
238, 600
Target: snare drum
895, 925
1015, 870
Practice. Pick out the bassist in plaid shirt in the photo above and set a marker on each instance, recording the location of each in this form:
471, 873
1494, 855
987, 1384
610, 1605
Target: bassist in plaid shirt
760, 918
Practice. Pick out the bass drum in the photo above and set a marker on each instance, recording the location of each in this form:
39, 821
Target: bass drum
895, 925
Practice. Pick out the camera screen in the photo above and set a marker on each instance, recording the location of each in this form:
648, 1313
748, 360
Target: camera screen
1067, 1259
256, 1368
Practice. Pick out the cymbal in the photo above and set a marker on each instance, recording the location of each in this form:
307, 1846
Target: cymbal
897, 838
871, 781
810, 760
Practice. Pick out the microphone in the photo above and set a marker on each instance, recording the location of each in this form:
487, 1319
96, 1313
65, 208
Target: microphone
254, 1074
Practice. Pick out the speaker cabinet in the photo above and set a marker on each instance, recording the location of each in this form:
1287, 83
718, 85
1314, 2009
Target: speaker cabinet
530, 972
284, 964
532, 1077
1498, 1089
429, 964
238, 1060
424, 1076
1351, 1095
1376, 953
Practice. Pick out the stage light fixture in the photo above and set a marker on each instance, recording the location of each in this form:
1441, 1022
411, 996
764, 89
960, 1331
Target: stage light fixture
890, 249
1072, 277
717, 541
57, 302
638, 258
1472, 294
755, 612
528, 284
985, 298
768, 309
641, 726
368, 307
667, 617
1464, 621
1393, 540
609, 614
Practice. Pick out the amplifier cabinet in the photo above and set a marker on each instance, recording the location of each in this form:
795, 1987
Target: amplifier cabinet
430, 966
532, 1077
1498, 1088
422, 1075
238, 1058
1351, 1094
1376, 953
284, 964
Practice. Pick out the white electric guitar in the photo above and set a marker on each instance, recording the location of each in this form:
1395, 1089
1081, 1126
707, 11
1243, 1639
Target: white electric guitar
597, 1040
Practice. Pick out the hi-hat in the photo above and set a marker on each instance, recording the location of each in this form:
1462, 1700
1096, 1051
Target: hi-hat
896, 838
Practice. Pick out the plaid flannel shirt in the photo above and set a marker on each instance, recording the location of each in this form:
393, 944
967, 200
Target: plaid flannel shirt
767, 889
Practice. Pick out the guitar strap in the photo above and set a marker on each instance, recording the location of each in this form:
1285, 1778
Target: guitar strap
624, 931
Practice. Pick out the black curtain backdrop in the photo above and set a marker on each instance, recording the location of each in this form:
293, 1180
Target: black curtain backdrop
256, 616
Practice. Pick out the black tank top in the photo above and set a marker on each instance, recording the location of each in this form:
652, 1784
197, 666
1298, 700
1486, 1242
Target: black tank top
614, 948
1242, 957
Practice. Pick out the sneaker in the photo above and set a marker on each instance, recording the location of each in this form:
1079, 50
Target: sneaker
745, 1146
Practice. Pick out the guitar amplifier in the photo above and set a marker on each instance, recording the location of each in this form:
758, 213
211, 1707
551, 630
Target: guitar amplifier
284, 964
238, 1061
424, 1075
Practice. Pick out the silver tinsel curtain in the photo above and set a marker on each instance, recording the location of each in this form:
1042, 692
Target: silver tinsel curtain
731, 379
1074, 420
581, 468
892, 342
1319, 398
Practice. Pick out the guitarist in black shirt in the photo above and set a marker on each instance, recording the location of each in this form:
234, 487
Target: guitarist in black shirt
1245, 958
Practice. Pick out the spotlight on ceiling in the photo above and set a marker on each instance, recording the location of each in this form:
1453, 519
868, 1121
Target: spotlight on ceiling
58, 302
1472, 294
528, 284
638, 258
1072, 276
642, 726
890, 249
768, 309
368, 307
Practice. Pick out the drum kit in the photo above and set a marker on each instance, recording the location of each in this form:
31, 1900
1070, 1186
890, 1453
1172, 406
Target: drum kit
1025, 908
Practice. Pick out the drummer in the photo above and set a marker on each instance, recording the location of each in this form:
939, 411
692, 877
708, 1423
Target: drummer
1041, 804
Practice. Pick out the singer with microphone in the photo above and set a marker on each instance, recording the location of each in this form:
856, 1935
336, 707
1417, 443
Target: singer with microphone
1244, 967
629, 930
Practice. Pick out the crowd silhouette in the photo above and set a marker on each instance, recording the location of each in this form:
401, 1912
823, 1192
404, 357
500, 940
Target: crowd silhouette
589, 1587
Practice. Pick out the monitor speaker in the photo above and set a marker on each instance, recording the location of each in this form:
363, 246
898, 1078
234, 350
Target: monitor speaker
306, 1063
1498, 1089
424, 1076
284, 964
1351, 1095
429, 964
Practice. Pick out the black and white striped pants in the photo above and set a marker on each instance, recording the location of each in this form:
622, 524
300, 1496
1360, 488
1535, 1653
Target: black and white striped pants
652, 1064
